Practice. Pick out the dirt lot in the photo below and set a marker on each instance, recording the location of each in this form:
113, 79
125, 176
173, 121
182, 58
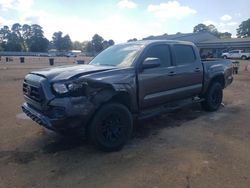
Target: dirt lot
188, 148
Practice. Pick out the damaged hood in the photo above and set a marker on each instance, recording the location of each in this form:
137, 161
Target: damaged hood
68, 72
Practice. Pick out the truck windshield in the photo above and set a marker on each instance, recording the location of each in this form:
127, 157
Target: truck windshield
119, 55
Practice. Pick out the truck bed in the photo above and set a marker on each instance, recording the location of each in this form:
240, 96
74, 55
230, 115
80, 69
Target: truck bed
214, 67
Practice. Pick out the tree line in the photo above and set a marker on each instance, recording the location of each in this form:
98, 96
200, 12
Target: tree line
243, 30
211, 29
23, 38
30, 38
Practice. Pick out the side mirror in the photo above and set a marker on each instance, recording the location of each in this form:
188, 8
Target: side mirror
151, 62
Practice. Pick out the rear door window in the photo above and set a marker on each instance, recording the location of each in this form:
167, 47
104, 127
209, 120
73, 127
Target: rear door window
184, 54
234, 52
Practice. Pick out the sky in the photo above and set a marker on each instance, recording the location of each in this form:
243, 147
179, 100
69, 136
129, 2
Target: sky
121, 20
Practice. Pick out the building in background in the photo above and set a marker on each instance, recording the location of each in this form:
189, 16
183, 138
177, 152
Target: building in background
209, 45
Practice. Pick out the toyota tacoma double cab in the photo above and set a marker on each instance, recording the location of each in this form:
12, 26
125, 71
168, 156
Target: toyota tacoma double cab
125, 82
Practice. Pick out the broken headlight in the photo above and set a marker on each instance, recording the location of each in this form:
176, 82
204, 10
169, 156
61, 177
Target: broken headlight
73, 88
60, 88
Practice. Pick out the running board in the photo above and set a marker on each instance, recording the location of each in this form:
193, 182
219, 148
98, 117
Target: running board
169, 107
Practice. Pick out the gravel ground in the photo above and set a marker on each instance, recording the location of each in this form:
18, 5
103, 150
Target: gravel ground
187, 148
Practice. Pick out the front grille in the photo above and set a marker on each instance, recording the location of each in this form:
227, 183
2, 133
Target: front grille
32, 92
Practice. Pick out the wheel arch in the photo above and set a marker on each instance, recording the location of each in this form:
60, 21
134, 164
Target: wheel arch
215, 78
123, 98
218, 78
111, 95
243, 56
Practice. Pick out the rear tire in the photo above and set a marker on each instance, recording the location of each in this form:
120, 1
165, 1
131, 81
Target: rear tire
111, 127
243, 57
213, 97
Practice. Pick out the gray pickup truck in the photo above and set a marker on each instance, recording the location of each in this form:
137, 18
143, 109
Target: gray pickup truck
125, 82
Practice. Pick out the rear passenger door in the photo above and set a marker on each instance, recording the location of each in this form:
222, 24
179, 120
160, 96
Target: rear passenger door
188, 71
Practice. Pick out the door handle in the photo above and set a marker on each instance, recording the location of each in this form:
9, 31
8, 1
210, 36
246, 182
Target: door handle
172, 73
197, 70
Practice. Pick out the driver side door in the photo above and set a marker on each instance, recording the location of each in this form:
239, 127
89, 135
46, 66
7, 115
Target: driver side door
155, 84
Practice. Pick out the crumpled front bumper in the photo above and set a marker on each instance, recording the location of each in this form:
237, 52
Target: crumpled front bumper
40, 118
55, 123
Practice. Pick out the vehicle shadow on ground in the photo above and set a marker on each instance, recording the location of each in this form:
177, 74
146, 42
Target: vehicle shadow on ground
142, 129
177, 118
63, 143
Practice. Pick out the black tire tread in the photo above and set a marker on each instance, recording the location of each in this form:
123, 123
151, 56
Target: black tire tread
92, 127
206, 104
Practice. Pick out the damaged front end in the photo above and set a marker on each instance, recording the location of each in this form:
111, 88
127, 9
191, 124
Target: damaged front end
67, 104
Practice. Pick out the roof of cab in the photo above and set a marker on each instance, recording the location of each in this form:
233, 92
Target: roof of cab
147, 42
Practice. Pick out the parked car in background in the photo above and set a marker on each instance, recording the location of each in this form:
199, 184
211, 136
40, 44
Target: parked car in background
70, 54
236, 54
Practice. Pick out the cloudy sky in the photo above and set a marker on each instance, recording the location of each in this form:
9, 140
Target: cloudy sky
123, 19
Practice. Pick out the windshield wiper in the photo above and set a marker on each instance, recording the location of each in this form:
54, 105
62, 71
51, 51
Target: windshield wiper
107, 65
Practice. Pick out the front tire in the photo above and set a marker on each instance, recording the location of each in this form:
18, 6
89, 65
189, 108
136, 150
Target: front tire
111, 127
213, 97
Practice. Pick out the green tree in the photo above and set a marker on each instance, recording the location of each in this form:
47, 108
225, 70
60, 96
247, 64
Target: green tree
23, 38
57, 40
211, 29
225, 35
38, 44
201, 28
16, 29
11, 40
35, 39
244, 29
97, 44
205, 28
13, 43
36, 30
106, 44
66, 43
26, 34
132, 40
111, 42
89, 47
26, 31
76, 45
97, 41
61, 43
4, 33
